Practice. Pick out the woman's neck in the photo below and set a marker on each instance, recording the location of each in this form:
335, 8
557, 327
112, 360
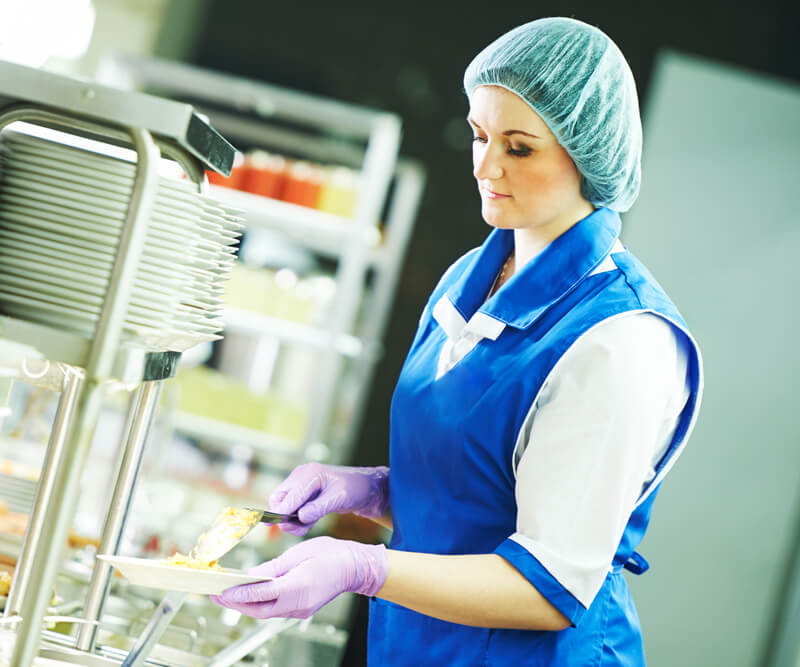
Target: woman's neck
530, 242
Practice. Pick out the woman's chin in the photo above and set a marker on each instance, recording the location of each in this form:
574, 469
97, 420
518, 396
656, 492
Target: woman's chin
498, 221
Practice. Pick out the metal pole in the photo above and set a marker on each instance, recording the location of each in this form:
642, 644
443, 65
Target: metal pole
155, 628
47, 559
139, 420
73, 379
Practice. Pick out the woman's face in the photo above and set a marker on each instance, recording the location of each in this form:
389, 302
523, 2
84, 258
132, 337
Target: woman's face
526, 179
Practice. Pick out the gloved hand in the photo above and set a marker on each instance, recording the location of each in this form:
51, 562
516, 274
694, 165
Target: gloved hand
308, 576
315, 489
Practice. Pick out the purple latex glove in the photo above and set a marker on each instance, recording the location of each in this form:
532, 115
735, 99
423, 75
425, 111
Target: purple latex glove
308, 576
315, 489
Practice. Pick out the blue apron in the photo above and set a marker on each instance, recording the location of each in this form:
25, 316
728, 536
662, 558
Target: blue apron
452, 447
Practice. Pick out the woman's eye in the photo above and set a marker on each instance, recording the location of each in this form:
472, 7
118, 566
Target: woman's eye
522, 151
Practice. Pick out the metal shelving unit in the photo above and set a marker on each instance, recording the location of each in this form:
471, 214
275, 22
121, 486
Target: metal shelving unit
368, 249
153, 127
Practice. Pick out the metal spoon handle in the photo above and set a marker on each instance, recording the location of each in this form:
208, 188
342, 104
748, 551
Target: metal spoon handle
274, 517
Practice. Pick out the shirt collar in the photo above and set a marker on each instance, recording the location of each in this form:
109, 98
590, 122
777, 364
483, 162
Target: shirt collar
543, 280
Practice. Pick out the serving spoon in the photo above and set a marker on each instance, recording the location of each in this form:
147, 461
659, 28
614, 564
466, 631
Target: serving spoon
224, 535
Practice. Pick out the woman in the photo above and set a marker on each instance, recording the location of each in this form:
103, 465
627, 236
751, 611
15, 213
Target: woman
549, 388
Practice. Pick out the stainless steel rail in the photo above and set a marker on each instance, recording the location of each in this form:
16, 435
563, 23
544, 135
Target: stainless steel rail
137, 428
73, 379
155, 628
251, 641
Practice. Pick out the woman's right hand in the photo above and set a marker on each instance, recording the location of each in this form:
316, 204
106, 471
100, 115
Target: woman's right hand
315, 489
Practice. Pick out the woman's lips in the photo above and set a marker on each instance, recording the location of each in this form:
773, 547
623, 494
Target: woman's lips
495, 195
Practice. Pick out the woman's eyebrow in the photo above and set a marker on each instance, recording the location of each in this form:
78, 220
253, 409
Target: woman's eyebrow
507, 133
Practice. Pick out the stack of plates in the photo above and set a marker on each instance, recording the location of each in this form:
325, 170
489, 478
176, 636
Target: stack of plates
62, 209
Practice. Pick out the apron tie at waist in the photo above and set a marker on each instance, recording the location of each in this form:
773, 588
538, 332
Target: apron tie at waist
636, 564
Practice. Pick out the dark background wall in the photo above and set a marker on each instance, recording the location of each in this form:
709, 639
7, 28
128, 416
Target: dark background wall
409, 58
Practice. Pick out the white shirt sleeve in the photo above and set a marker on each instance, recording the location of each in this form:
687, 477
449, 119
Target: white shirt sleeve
604, 418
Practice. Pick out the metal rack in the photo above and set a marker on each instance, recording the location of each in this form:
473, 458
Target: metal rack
153, 127
264, 115
156, 127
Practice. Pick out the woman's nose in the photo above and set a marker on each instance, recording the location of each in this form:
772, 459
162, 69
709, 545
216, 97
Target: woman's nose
486, 165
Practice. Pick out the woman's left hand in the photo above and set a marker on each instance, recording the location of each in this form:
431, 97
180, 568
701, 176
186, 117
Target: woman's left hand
308, 576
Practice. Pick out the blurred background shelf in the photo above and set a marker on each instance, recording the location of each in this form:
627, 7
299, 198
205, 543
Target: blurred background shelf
242, 321
328, 208
225, 434
322, 232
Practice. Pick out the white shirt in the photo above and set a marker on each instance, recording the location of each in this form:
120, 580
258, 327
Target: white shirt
603, 419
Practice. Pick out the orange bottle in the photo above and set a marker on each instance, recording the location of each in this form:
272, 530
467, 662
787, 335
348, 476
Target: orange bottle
303, 184
264, 174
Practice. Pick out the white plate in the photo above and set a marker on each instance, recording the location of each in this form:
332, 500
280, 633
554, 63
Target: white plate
154, 574
43, 297
34, 278
66, 175
87, 188
64, 265
57, 151
54, 246
30, 261
26, 311
156, 249
151, 333
61, 212
113, 168
176, 211
16, 199
64, 196
103, 207
44, 239
93, 179
41, 278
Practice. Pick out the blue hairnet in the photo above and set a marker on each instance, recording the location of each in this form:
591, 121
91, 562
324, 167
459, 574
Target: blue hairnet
578, 81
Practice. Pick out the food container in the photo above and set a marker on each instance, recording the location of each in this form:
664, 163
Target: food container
303, 184
338, 193
264, 174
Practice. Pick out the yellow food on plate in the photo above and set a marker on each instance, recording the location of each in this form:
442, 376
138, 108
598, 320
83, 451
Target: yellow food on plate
5, 583
181, 560
234, 522
228, 528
